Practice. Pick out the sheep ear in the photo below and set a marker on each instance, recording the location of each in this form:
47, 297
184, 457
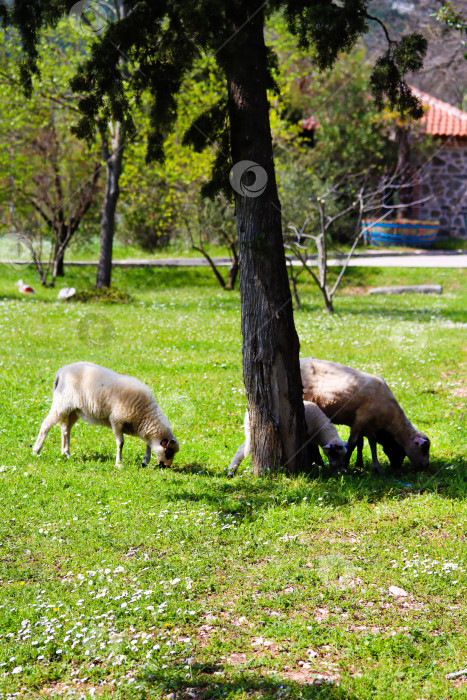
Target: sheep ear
423, 443
164, 443
332, 448
419, 440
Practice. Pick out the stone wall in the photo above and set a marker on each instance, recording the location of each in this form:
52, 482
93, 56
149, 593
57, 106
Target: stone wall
445, 177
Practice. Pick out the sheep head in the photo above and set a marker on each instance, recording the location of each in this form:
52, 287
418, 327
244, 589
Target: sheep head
418, 450
336, 452
165, 451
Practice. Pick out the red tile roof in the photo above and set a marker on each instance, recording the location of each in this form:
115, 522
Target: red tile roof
309, 124
441, 118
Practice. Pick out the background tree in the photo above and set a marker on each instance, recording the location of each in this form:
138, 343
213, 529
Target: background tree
350, 136
444, 73
213, 221
329, 207
49, 180
112, 139
164, 39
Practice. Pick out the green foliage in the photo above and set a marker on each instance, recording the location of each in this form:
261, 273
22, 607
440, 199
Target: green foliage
387, 76
163, 41
453, 18
43, 168
330, 28
158, 198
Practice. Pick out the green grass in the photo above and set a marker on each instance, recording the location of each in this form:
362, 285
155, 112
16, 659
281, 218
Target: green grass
180, 583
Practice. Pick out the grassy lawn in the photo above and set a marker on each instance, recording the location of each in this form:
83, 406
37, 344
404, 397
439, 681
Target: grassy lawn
179, 583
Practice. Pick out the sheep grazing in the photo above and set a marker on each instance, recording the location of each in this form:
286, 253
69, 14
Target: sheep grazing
102, 397
365, 403
320, 432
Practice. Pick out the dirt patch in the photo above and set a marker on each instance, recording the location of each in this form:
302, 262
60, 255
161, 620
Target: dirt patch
321, 614
203, 634
306, 672
75, 685
382, 631
236, 659
354, 291
307, 675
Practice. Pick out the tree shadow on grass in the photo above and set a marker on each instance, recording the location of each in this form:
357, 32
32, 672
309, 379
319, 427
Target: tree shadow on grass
246, 497
204, 685
195, 468
101, 457
12, 296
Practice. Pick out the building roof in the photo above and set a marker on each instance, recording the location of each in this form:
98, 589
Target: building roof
309, 124
441, 118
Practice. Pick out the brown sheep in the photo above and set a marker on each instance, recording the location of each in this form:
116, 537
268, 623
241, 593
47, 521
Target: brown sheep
365, 403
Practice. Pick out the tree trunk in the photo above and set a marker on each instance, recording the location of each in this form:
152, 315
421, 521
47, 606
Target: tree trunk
211, 262
328, 301
233, 270
271, 370
294, 280
59, 268
113, 163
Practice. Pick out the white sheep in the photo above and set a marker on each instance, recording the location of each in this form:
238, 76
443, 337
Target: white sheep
103, 397
364, 402
321, 432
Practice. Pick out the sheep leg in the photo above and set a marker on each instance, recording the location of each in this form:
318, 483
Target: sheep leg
355, 433
63, 427
147, 456
50, 420
374, 455
118, 433
66, 426
237, 459
359, 460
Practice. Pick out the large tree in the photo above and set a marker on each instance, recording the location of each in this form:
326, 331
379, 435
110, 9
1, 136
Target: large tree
163, 39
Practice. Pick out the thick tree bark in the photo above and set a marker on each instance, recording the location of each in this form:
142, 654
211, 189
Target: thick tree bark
113, 162
271, 370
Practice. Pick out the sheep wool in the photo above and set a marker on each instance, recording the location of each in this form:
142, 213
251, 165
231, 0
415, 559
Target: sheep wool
321, 432
101, 396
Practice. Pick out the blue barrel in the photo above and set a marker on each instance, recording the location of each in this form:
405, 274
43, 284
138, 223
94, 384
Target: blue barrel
416, 234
